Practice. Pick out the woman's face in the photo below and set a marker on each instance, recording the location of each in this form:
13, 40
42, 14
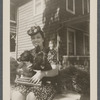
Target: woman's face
37, 39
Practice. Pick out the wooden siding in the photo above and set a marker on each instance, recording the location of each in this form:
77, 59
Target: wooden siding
26, 19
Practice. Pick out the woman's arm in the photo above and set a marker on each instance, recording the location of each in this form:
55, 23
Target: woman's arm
52, 72
40, 74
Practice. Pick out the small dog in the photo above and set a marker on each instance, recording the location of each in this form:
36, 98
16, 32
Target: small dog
35, 62
74, 79
25, 66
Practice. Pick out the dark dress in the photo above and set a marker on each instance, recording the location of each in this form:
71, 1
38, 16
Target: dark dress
43, 92
52, 56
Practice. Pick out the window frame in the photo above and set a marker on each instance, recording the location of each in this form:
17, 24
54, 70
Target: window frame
74, 32
69, 10
83, 6
42, 7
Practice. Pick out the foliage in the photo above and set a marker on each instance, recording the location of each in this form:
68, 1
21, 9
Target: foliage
75, 80
51, 18
13, 69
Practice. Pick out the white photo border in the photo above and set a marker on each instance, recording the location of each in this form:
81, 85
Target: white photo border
93, 49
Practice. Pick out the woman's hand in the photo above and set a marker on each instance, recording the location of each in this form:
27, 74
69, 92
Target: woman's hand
37, 77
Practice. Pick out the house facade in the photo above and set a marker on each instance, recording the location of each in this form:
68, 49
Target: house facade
65, 21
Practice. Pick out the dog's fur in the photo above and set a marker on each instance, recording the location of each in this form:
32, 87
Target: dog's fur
39, 62
74, 79
69, 79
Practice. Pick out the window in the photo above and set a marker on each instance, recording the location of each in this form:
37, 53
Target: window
12, 42
38, 6
12, 36
70, 6
71, 42
86, 6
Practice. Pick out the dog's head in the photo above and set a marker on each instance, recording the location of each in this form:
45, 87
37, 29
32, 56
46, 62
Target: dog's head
25, 66
26, 56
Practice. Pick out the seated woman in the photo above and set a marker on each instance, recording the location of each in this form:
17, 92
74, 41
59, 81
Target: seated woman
43, 92
52, 54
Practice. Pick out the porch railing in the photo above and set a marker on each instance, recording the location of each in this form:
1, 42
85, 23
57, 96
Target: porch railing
81, 62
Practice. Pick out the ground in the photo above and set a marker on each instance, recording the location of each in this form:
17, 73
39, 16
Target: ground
71, 96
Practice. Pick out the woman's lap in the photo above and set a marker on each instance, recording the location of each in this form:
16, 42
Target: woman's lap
30, 96
46, 92
16, 95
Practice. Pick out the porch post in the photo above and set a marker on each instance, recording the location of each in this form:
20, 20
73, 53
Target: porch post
58, 40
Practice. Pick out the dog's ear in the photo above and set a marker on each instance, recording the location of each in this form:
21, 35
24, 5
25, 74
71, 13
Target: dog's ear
24, 56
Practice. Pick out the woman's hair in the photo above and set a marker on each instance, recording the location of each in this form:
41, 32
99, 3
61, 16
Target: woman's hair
35, 30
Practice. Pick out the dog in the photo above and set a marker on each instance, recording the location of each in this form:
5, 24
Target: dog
36, 62
24, 68
74, 79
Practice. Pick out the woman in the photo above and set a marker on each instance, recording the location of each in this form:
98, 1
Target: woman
47, 92
52, 54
